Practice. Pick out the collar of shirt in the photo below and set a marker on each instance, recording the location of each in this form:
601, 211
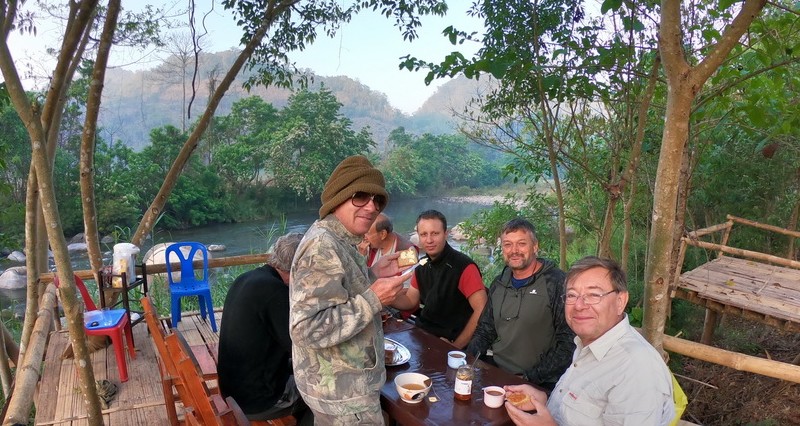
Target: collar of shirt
600, 347
331, 222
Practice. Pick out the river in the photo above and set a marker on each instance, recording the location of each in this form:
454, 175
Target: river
257, 236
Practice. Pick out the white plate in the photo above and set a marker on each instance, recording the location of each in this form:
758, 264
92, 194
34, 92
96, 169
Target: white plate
401, 354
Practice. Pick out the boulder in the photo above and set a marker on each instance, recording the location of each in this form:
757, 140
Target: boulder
17, 256
108, 239
79, 238
77, 248
217, 247
457, 233
14, 278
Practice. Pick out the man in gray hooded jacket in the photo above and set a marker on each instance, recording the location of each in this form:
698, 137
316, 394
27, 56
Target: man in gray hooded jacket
523, 322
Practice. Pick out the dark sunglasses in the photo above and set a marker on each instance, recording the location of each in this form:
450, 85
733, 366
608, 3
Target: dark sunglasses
360, 199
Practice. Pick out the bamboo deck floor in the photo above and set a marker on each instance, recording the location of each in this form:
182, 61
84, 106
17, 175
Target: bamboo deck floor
139, 401
766, 293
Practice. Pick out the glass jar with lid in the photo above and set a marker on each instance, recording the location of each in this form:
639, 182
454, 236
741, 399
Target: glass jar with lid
463, 385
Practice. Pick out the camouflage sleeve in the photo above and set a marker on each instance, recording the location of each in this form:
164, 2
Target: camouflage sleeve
331, 298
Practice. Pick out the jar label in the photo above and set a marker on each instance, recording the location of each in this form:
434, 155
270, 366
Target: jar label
463, 387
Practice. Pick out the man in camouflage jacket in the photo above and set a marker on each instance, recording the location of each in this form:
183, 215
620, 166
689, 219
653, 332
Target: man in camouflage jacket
334, 320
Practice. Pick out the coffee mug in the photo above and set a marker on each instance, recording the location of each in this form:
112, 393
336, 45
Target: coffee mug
456, 359
494, 396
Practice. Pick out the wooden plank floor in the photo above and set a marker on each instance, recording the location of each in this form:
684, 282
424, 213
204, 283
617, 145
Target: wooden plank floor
769, 291
139, 401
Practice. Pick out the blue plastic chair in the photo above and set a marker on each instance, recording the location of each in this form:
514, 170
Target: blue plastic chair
188, 284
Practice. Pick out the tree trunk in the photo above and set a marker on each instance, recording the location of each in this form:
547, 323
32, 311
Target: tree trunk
73, 309
562, 222
40, 124
684, 82
631, 172
5, 359
88, 142
607, 228
659, 253
32, 266
11, 347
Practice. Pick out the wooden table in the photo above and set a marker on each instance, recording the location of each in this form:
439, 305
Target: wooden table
429, 357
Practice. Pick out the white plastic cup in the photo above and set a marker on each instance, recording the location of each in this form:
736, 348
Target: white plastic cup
494, 396
456, 359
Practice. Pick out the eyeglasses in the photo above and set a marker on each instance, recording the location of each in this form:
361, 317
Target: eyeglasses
360, 199
588, 298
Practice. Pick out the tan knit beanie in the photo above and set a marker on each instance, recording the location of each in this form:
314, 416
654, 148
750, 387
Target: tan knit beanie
352, 175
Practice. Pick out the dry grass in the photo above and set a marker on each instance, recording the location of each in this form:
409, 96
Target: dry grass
743, 398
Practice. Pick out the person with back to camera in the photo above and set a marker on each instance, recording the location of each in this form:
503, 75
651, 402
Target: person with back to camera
523, 323
448, 285
254, 346
336, 329
616, 376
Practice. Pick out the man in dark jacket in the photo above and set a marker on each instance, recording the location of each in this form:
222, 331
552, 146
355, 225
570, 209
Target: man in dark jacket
523, 324
254, 346
449, 285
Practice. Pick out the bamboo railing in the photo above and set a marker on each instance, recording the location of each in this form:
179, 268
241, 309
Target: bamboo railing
693, 239
737, 361
159, 268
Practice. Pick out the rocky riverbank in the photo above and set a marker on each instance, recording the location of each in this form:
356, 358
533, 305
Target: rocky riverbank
484, 200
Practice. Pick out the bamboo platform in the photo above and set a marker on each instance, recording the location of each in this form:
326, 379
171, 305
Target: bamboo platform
139, 401
758, 291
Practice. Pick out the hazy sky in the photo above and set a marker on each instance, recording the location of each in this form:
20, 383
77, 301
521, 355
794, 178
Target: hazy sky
367, 49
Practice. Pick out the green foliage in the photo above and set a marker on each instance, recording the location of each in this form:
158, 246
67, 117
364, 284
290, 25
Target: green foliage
240, 142
435, 163
400, 168
312, 139
483, 229
14, 161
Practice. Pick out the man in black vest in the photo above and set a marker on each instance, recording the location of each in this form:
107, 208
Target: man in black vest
523, 323
255, 366
449, 286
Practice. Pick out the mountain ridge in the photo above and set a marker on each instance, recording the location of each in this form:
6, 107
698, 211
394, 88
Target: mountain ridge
135, 102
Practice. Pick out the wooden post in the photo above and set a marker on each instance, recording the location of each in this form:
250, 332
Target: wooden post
709, 325
725, 236
678, 268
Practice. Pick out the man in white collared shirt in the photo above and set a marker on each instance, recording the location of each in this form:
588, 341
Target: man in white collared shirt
616, 376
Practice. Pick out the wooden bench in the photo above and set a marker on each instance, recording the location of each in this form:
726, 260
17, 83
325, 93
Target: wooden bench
188, 371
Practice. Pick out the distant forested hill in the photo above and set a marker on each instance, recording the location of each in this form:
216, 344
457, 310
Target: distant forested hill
134, 102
